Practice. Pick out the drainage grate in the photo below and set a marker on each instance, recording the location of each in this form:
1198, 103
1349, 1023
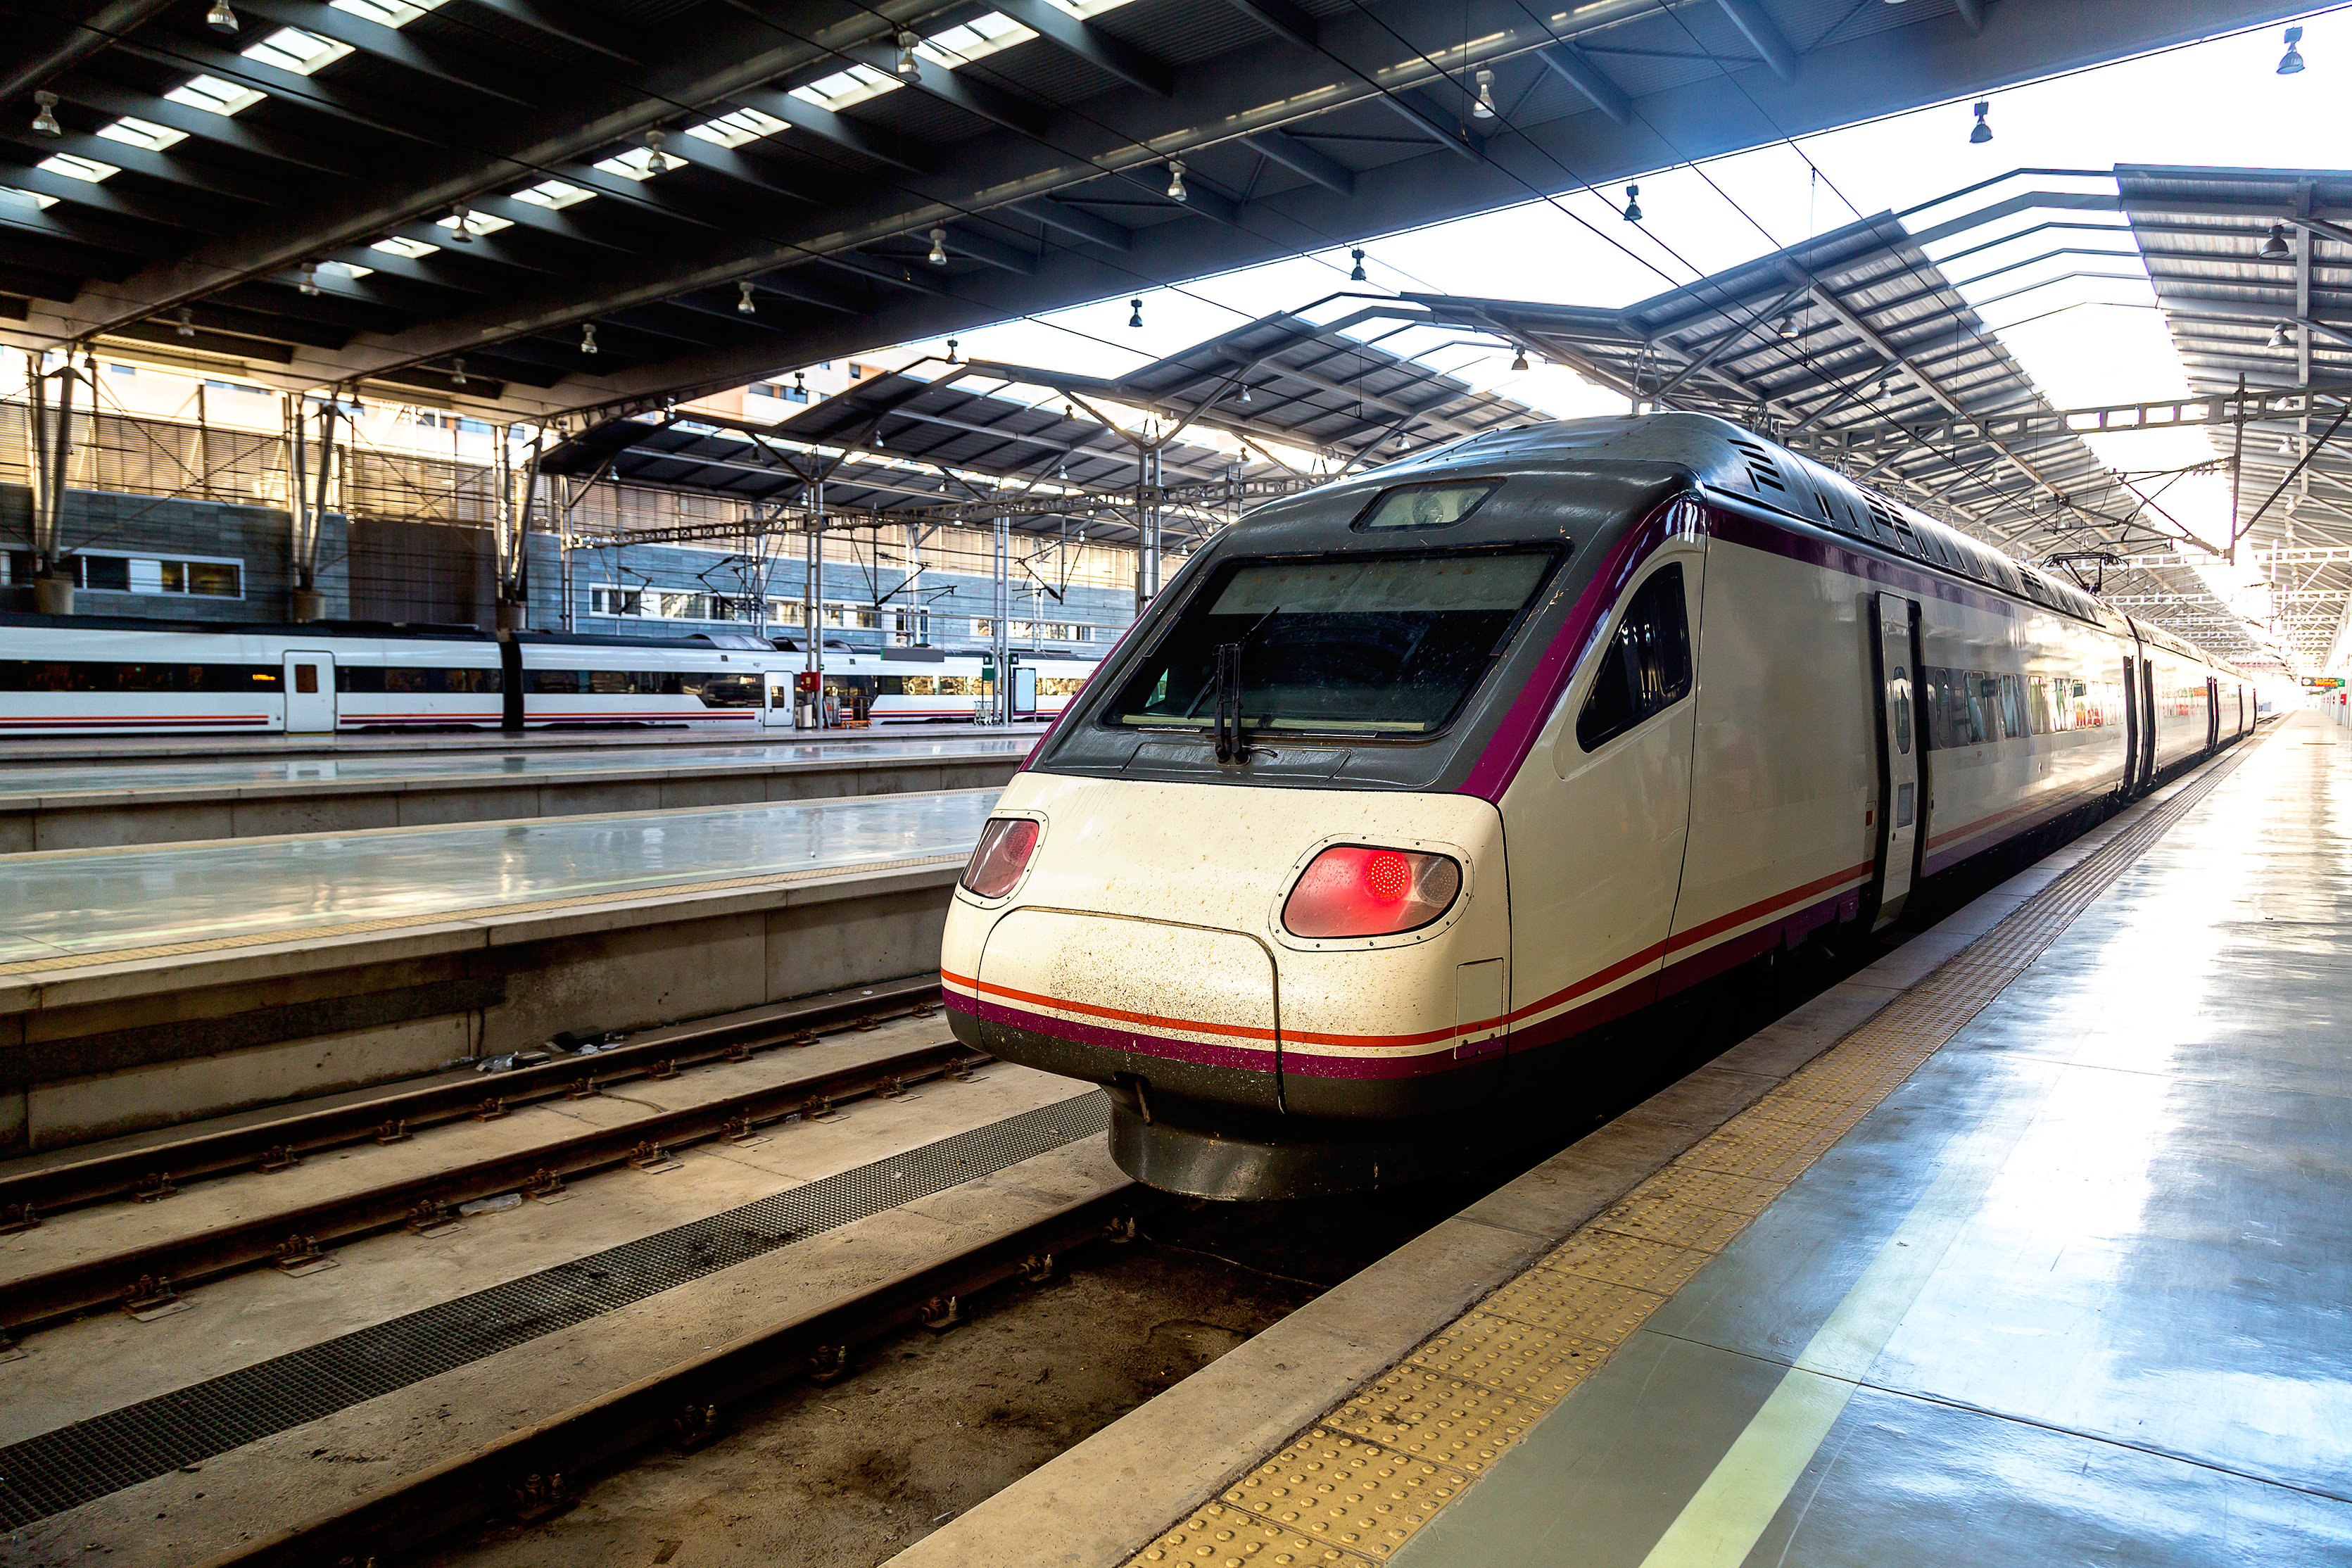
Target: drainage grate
69, 1467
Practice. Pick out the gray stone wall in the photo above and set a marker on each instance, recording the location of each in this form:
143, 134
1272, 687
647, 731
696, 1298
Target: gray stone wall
259, 539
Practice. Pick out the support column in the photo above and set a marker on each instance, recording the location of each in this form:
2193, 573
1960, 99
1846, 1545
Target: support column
1001, 624
810, 708
53, 585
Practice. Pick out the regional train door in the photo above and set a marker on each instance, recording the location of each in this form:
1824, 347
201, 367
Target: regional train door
1901, 789
310, 685
2146, 721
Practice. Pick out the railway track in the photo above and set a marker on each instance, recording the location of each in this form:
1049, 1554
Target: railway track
523, 1475
151, 1276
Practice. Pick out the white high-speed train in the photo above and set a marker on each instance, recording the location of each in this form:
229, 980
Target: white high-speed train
1408, 784
82, 675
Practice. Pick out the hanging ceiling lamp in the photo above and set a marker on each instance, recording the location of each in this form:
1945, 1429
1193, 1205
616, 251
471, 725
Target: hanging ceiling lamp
310, 283
2282, 335
462, 236
2276, 248
938, 256
1983, 133
1135, 312
1632, 204
1788, 327
1357, 275
743, 300
588, 337
1485, 107
44, 117
1176, 192
1520, 360
220, 18
2291, 61
909, 67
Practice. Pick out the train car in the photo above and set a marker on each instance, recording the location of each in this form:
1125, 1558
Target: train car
1406, 787
955, 687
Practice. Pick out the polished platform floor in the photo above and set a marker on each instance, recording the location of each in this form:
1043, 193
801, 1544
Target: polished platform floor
29, 779
102, 900
2078, 1290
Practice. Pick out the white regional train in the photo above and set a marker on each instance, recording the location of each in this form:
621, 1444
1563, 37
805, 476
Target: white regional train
1407, 784
85, 675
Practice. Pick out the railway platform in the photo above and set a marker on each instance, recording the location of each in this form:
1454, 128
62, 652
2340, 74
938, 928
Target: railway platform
2026, 1243
146, 986
143, 798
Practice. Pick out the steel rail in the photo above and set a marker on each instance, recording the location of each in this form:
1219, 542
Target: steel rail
525, 1474
279, 1143
153, 1273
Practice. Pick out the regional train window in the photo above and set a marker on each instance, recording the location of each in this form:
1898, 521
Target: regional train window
93, 675
417, 680
1426, 506
1648, 666
1352, 644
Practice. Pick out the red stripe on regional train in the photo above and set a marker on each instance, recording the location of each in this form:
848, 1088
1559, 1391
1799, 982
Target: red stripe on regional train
83, 723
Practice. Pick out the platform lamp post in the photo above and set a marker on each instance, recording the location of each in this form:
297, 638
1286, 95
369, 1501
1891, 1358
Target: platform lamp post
812, 694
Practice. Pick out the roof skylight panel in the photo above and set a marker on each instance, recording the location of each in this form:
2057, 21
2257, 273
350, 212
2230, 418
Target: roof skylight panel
844, 88
733, 130
477, 222
76, 168
141, 133
553, 195
636, 163
292, 49
10, 194
401, 245
215, 95
973, 40
387, 13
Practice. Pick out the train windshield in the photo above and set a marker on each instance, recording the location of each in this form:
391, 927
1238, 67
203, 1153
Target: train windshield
1365, 645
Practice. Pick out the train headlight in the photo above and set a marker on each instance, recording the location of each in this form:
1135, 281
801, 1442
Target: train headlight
1356, 890
1001, 856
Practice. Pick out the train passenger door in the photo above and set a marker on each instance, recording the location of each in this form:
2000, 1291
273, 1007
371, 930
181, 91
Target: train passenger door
2147, 723
777, 707
2212, 714
1901, 786
2131, 726
309, 686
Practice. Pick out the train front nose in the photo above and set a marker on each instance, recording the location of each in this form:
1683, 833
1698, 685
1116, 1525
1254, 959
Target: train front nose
1142, 945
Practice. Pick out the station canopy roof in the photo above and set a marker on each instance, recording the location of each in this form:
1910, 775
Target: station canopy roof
2253, 269
1297, 402
523, 207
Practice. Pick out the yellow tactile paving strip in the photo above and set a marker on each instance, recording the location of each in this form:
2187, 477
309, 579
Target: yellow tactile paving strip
302, 935
1356, 1485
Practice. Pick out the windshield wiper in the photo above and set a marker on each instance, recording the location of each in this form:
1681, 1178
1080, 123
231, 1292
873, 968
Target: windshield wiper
1230, 747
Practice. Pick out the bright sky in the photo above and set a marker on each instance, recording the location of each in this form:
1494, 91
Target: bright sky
2086, 342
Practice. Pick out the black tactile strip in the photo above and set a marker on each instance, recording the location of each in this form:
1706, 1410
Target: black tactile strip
57, 1471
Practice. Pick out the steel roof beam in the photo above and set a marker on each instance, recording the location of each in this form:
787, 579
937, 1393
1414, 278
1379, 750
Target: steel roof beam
382, 43
839, 130
1076, 222
1301, 159
993, 104
1578, 69
203, 125
540, 19
1099, 48
1765, 33
81, 39
1281, 18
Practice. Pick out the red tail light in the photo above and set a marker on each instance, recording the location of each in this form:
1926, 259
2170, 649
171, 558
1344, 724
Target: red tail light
1353, 890
1001, 856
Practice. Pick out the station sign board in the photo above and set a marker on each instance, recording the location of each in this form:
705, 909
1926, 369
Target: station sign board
2324, 682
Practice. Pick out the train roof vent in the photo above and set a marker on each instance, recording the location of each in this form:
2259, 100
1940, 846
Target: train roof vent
1762, 472
1891, 525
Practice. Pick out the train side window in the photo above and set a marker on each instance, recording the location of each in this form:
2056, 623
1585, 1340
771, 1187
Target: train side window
1648, 666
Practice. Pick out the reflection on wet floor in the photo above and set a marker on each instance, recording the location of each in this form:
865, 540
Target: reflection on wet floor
2072, 1292
33, 778
97, 901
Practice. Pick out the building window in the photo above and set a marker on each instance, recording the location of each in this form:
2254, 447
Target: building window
111, 573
